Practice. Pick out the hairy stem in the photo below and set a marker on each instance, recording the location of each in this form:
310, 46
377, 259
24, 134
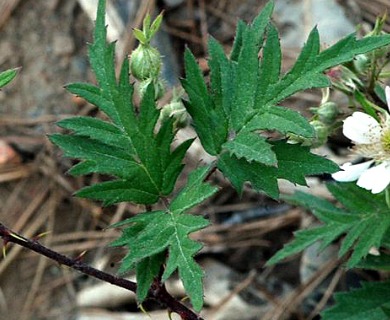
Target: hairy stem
157, 292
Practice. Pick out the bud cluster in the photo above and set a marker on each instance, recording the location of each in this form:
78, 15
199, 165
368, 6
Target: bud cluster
145, 66
175, 109
356, 79
323, 123
145, 60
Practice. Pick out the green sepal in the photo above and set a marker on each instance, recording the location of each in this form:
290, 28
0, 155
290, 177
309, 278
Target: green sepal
156, 25
7, 76
366, 105
139, 35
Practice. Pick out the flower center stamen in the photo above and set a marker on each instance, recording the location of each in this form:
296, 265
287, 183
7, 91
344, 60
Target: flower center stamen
385, 140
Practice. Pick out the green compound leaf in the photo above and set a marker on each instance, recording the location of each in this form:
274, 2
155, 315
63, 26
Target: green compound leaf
110, 192
181, 252
246, 74
210, 122
146, 271
310, 65
371, 302
280, 119
252, 147
154, 233
306, 238
194, 192
221, 85
239, 171
242, 101
103, 158
269, 70
94, 95
381, 262
94, 128
7, 76
364, 223
257, 27
174, 166
356, 201
294, 163
129, 147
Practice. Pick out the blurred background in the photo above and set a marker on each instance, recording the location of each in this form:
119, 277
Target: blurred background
48, 40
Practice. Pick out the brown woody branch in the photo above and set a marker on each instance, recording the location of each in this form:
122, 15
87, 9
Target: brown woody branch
157, 292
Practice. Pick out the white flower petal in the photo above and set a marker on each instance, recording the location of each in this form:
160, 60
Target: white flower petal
351, 172
361, 128
374, 251
376, 178
387, 91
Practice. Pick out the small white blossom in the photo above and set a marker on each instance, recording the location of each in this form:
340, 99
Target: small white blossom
374, 251
372, 140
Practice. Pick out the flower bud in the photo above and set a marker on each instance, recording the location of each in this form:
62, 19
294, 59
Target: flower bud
292, 138
176, 110
145, 62
327, 112
322, 133
344, 79
361, 63
159, 87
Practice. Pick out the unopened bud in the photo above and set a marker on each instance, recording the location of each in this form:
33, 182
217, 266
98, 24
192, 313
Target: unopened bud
327, 112
322, 132
361, 63
344, 79
177, 111
159, 88
145, 62
296, 139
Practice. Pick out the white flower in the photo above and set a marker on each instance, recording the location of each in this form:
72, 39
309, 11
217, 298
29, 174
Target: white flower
372, 140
